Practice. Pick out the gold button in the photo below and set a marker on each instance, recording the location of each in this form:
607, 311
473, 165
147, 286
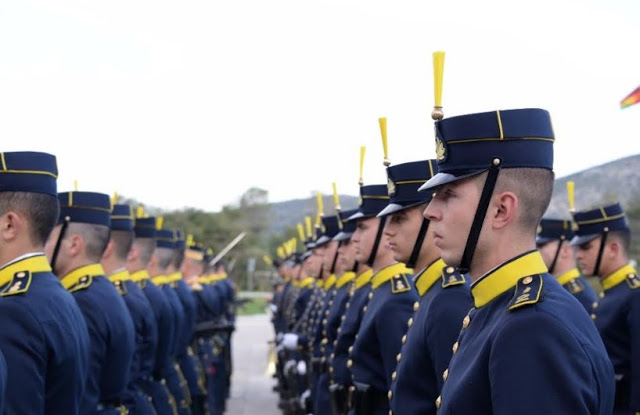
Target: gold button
324, 341
349, 363
331, 369
324, 321
445, 374
416, 306
465, 322
390, 412
593, 316
595, 305
394, 375
455, 347
601, 295
350, 349
410, 322
438, 402
398, 357
527, 280
389, 395
370, 296
343, 318
364, 308
450, 270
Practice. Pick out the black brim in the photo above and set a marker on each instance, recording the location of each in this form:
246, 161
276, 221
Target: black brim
397, 207
441, 179
583, 239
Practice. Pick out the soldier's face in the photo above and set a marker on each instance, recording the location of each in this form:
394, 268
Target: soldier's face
329, 254
364, 237
347, 252
586, 255
451, 213
402, 230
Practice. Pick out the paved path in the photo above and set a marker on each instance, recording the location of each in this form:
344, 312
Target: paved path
251, 392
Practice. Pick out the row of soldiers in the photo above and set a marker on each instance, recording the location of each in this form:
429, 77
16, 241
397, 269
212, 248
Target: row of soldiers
103, 311
447, 291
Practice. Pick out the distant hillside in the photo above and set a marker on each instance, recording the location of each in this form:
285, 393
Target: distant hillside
288, 213
618, 180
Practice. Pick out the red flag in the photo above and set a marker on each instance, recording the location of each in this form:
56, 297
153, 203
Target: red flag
632, 98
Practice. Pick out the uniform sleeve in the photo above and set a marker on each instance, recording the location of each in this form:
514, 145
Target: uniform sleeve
22, 343
443, 327
165, 334
120, 349
633, 320
536, 366
391, 325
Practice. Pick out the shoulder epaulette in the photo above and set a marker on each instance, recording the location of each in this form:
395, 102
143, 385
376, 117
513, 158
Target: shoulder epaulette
400, 284
574, 286
83, 283
120, 287
143, 283
633, 281
528, 291
451, 277
18, 285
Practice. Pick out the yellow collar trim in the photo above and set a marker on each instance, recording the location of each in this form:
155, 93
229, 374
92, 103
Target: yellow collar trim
346, 278
331, 281
176, 276
120, 276
505, 277
32, 264
74, 276
320, 283
306, 282
204, 280
429, 276
568, 276
160, 279
617, 277
140, 275
385, 274
364, 278
295, 283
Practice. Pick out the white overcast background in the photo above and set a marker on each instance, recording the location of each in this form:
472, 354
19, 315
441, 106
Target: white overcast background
190, 103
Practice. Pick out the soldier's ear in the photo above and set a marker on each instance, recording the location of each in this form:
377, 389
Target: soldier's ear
108, 250
11, 225
503, 210
134, 253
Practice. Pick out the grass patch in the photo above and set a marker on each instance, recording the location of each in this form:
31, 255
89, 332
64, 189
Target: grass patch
253, 306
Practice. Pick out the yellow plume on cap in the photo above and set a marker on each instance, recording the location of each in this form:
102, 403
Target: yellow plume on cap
300, 232
320, 204
571, 195
159, 222
363, 150
75, 185
307, 221
438, 74
267, 259
114, 198
385, 145
294, 245
280, 252
336, 197
189, 241
140, 212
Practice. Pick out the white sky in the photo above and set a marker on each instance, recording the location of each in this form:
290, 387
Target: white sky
189, 103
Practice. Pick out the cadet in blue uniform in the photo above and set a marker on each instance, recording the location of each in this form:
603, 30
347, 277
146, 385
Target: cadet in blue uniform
75, 247
527, 346
189, 363
44, 337
157, 268
114, 260
139, 256
603, 238
384, 321
444, 294
553, 241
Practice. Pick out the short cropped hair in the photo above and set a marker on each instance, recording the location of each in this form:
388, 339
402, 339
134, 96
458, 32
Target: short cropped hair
624, 237
145, 246
41, 211
178, 258
123, 240
533, 187
96, 238
165, 256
